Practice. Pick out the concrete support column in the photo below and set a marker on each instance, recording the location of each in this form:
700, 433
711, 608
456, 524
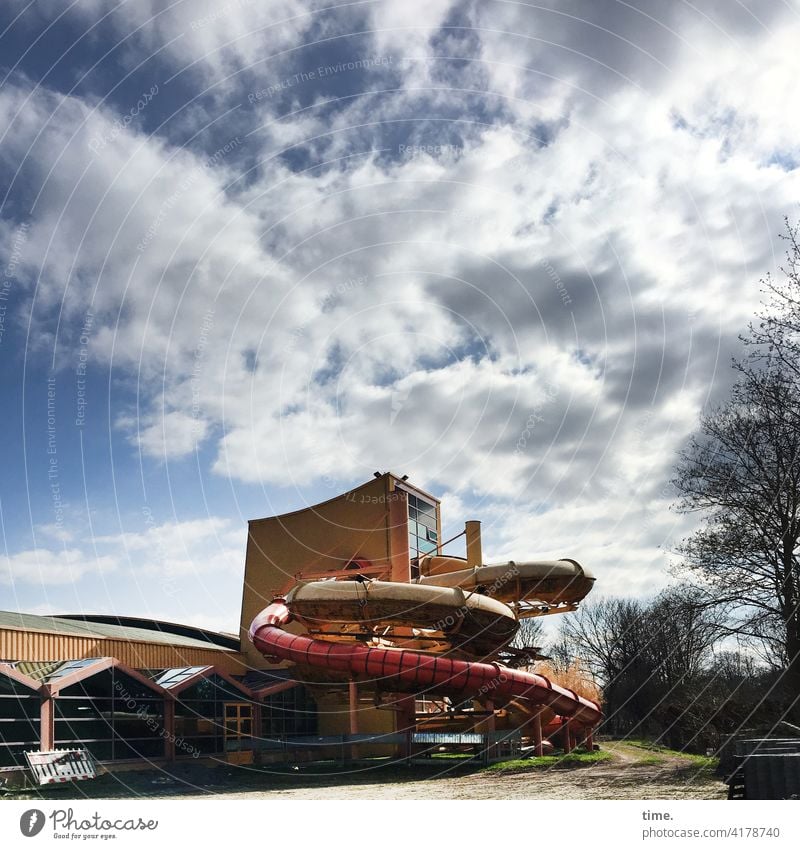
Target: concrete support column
474, 547
169, 729
47, 719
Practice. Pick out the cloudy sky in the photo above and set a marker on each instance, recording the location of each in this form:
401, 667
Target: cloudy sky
252, 252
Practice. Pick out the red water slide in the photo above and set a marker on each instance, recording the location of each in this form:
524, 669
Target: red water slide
410, 671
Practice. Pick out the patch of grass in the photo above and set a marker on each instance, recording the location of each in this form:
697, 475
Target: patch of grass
702, 762
573, 759
649, 745
649, 760
659, 752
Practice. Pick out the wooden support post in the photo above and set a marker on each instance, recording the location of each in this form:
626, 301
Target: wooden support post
169, 729
589, 739
47, 730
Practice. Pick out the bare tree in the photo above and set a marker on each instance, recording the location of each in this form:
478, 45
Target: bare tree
742, 472
530, 634
776, 334
649, 657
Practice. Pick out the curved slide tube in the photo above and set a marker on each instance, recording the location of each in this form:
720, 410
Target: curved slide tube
415, 672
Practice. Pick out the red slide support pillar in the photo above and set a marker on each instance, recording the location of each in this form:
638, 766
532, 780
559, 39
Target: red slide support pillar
489, 727
406, 724
536, 726
568, 737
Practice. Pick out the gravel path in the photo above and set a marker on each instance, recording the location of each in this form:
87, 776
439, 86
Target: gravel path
631, 774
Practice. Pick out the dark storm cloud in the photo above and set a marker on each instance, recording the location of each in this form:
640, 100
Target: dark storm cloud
609, 44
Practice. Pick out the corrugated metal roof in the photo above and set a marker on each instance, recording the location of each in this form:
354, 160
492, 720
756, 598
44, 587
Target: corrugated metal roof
77, 628
227, 641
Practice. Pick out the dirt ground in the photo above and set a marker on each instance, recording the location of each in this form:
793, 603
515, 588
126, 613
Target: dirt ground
630, 773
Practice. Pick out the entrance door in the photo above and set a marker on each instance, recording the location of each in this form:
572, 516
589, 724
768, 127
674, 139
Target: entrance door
238, 726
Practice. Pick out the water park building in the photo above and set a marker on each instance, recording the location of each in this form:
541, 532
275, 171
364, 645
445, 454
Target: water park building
360, 636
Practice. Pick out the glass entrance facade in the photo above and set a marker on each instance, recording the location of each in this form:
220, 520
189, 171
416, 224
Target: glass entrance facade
19, 721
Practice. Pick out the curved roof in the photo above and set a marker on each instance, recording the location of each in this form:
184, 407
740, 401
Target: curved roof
312, 508
145, 630
226, 641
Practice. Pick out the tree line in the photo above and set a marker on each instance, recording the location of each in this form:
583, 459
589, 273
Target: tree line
719, 651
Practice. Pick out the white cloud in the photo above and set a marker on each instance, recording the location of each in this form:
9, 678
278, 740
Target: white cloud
179, 549
174, 435
594, 222
45, 567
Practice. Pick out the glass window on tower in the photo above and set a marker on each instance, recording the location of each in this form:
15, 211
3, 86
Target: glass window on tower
422, 534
